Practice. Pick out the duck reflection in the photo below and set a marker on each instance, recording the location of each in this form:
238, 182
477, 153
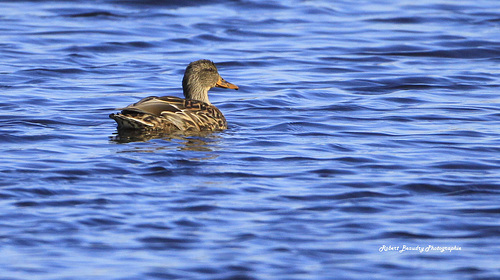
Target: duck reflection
190, 141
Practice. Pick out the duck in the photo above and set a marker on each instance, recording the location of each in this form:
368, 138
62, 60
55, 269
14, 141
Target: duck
171, 114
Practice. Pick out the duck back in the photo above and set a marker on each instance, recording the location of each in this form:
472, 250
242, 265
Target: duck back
170, 114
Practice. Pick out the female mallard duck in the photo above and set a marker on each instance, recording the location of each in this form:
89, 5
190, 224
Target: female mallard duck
169, 114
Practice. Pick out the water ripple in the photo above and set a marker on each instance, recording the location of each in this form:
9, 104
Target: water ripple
355, 127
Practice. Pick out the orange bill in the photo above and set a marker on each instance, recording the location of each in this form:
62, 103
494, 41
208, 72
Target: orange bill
225, 84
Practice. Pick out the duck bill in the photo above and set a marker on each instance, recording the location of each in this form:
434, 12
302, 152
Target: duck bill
225, 84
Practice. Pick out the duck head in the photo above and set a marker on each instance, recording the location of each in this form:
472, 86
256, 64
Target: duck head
200, 76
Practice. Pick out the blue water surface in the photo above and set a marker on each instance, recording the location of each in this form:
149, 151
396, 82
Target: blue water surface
363, 143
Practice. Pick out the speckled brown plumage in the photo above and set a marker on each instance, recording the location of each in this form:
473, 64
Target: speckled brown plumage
170, 114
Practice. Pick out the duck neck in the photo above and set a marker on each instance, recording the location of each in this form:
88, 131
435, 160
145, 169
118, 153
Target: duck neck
196, 93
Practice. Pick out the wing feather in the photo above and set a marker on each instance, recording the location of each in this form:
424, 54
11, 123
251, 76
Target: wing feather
184, 114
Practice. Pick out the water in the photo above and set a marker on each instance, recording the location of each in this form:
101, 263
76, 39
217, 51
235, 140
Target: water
357, 127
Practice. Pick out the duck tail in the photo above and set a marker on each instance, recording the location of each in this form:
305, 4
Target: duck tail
130, 122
